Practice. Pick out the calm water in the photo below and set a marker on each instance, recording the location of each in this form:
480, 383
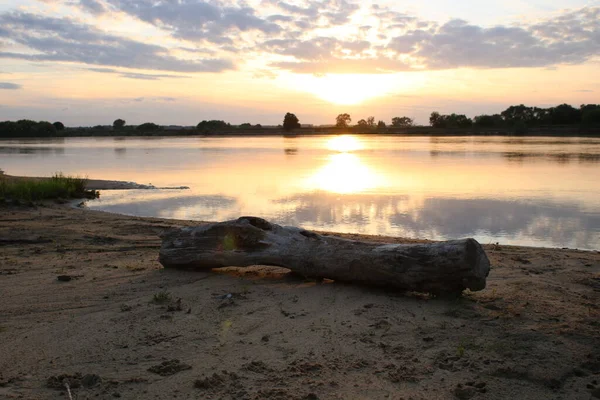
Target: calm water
530, 191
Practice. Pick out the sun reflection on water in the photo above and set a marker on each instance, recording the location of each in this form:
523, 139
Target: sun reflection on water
345, 143
345, 173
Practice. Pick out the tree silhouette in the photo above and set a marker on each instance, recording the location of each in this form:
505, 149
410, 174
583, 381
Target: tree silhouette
458, 121
518, 114
402, 122
25, 128
212, 125
435, 119
59, 126
148, 127
381, 125
119, 123
290, 121
44, 128
488, 121
590, 113
565, 114
591, 116
541, 115
342, 120
449, 121
362, 123
371, 122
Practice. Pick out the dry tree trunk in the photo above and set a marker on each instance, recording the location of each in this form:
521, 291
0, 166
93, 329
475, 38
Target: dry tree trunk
443, 267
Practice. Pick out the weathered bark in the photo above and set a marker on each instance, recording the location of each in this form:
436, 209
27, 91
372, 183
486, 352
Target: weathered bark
444, 267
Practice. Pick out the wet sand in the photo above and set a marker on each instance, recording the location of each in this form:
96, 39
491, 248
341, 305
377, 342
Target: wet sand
119, 325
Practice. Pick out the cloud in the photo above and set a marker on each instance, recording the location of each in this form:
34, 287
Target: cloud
584, 91
298, 36
318, 48
62, 39
197, 51
152, 99
280, 18
264, 74
344, 66
225, 23
92, 6
311, 11
103, 70
571, 38
150, 77
336, 12
194, 20
412, 44
134, 75
10, 86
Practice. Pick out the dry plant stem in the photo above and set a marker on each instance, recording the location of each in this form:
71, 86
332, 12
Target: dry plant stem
68, 389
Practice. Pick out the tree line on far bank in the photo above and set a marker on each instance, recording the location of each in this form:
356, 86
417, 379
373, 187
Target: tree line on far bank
343, 121
522, 116
28, 128
518, 118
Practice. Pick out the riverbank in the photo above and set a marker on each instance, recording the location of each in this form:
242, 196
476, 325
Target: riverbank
567, 131
90, 184
118, 325
94, 184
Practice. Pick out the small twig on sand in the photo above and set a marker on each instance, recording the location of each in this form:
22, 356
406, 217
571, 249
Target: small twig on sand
66, 383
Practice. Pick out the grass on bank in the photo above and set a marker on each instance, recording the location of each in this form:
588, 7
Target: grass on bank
58, 186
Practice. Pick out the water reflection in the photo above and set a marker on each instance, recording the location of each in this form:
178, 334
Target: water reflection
534, 191
345, 173
345, 143
327, 209
165, 204
460, 154
559, 158
32, 150
553, 222
541, 223
35, 141
513, 140
532, 149
290, 145
490, 220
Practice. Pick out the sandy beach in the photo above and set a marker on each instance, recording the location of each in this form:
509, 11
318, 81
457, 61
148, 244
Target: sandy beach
85, 299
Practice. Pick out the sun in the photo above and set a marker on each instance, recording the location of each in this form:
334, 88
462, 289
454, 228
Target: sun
346, 89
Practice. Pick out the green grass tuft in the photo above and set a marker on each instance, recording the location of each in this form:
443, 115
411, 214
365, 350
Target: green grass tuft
58, 186
162, 297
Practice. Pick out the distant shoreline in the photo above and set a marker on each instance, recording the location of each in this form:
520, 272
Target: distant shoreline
275, 132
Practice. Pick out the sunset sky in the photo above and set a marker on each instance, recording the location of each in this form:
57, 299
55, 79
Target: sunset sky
88, 62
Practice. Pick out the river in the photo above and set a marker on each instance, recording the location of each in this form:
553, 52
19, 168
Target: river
538, 191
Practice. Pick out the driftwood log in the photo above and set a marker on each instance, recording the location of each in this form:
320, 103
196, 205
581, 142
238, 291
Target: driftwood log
443, 267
